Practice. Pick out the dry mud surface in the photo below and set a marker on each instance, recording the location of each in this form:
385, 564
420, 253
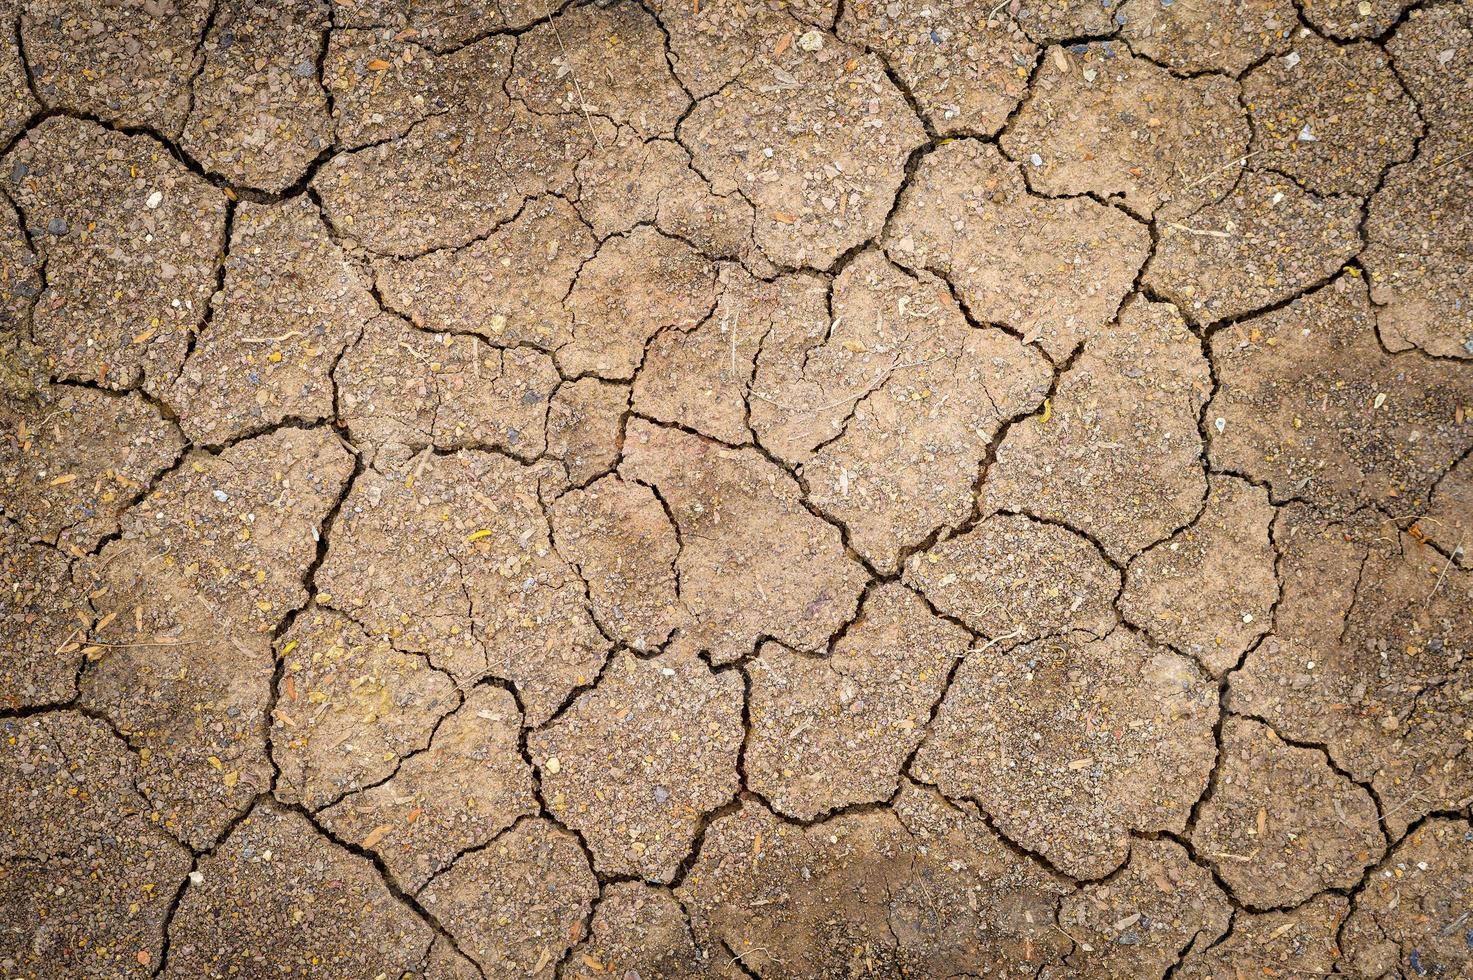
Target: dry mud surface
730, 489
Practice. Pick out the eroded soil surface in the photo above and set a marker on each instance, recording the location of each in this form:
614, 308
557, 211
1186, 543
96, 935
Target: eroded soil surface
653, 489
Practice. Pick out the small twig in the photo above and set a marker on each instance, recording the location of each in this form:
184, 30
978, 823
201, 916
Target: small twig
1227, 166
733, 343
346, 444
1448, 929
1298, 969
1448, 163
915, 364
577, 86
1404, 804
993, 642
1199, 231
271, 340
1445, 565
1084, 946
72, 636
741, 957
1237, 857
145, 643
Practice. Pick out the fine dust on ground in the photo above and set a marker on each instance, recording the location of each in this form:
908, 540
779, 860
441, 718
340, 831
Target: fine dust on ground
783, 489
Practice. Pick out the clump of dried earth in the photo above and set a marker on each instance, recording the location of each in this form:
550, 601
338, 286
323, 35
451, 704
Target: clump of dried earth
738, 489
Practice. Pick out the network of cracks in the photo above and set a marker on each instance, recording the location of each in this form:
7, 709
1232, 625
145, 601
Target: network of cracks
730, 489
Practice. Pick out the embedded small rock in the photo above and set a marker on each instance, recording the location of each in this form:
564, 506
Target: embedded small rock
78, 460
617, 535
256, 117
508, 288
965, 70
1309, 403
1117, 453
928, 890
86, 879
597, 60
485, 593
122, 301
891, 414
1368, 659
1203, 35
121, 62
640, 930
188, 598
45, 620
290, 305
1264, 243
401, 390
635, 287
1407, 918
1304, 941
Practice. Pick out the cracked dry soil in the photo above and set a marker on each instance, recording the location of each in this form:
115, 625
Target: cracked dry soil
736, 489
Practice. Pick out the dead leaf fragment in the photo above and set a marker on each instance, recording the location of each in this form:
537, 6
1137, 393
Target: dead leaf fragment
376, 834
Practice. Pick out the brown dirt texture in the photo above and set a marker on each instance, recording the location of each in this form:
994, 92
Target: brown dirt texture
736, 489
